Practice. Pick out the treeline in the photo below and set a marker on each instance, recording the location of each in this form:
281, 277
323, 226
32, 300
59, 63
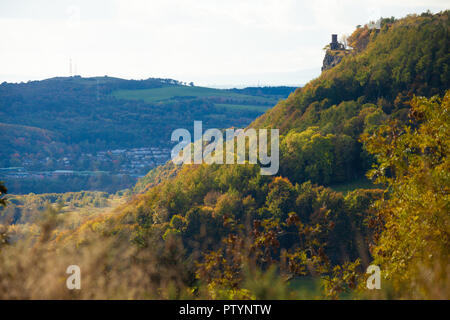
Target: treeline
101, 182
23, 209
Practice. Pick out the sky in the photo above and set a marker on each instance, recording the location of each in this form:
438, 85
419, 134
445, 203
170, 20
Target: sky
212, 43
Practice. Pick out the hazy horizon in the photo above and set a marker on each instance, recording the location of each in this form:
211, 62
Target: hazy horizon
215, 44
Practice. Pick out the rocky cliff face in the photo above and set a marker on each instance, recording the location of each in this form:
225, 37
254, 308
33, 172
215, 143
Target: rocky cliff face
331, 59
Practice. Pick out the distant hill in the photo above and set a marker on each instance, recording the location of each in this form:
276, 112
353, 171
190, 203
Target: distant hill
53, 123
104, 112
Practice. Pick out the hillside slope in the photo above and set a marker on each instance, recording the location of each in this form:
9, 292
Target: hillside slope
321, 123
410, 56
221, 208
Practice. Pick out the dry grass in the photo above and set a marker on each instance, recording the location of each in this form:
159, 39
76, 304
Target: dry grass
111, 268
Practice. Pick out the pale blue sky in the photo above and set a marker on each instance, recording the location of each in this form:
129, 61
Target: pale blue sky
222, 43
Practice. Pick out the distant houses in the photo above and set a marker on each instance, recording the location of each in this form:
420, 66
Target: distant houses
132, 162
63, 172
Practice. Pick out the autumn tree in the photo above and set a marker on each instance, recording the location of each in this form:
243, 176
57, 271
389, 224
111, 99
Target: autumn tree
413, 162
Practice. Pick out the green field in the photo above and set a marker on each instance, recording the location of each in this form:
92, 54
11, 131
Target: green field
176, 92
362, 183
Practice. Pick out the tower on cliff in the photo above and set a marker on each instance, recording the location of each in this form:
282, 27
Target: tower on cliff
334, 44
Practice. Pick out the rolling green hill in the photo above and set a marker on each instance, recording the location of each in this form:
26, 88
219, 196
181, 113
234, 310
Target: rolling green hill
71, 123
224, 100
176, 92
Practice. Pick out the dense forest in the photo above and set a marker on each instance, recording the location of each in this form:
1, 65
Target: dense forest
226, 231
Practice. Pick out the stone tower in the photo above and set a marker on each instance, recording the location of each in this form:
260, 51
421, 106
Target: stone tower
334, 44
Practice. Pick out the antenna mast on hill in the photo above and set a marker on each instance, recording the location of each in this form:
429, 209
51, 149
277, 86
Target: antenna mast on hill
98, 94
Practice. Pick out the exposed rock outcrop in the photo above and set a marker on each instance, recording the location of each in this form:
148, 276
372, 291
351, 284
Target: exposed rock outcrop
331, 59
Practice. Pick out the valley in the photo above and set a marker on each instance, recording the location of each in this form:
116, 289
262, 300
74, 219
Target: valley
103, 133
